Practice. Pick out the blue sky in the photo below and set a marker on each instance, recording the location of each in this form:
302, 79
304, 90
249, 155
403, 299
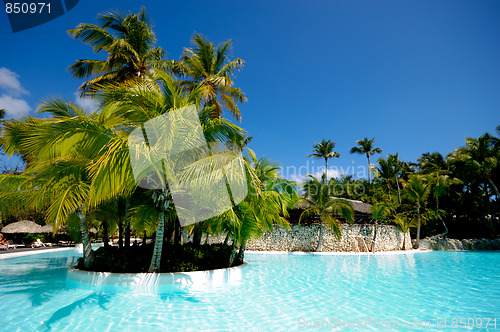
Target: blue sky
419, 76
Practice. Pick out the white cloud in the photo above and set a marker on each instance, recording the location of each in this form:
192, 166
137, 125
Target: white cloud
87, 104
301, 178
15, 107
9, 83
11, 92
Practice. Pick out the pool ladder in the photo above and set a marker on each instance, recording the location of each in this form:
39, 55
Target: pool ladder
357, 243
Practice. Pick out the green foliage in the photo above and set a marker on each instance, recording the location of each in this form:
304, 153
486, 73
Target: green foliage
211, 70
320, 203
129, 44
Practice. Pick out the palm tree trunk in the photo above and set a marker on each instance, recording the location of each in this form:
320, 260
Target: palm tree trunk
144, 238
177, 233
120, 233
399, 192
368, 156
226, 240
440, 218
160, 231
105, 237
320, 240
234, 253
88, 253
494, 187
241, 252
417, 240
126, 222
197, 233
326, 169
404, 240
374, 237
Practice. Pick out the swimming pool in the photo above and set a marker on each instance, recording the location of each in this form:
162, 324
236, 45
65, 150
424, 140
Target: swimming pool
275, 291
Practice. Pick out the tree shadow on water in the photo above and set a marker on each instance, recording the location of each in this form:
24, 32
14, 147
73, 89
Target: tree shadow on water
83, 303
40, 288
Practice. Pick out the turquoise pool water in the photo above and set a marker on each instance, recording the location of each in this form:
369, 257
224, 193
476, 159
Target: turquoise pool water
275, 292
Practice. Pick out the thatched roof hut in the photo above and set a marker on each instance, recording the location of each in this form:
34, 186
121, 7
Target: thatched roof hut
358, 206
47, 229
23, 226
362, 211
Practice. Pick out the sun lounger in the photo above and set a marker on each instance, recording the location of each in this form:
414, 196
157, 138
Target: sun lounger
37, 244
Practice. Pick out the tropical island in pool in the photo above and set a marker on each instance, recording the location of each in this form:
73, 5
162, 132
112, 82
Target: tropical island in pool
83, 176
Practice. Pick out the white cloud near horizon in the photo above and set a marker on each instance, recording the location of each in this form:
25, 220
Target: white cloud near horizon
11, 91
301, 178
86, 103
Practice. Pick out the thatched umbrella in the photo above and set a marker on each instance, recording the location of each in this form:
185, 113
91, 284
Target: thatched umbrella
23, 226
47, 229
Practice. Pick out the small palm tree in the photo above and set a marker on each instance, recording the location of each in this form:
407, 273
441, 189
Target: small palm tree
129, 44
318, 197
365, 146
212, 68
404, 224
324, 149
379, 211
418, 190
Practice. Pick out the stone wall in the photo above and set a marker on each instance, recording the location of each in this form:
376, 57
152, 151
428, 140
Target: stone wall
305, 238
454, 244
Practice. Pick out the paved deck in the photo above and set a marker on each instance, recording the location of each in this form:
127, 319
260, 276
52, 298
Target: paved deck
30, 251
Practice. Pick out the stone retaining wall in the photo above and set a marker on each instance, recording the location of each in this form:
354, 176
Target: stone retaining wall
305, 238
454, 244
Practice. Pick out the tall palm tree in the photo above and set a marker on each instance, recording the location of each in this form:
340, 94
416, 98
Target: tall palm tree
365, 146
129, 44
320, 203
324, 149
418, 189
390, 171
435, 166
212, 68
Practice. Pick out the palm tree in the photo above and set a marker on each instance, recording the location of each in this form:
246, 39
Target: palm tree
365, 146
379, 211
404, 224
137, 106
479, 158
268, 202
390, 172
318, 197
435, 166
212, 68
129, 44
418, 189
324, 149
57, 178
